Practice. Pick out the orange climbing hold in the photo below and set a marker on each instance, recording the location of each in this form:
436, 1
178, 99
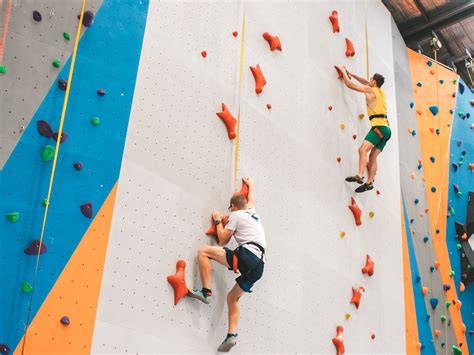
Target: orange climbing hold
369, 266
339, 72
260, 81
356, 295
269, 106
436, 264
355, 211
463, 328
334, 18
471, 166
212, 230
178, 281
273, 41
350, 52
462, 287
244, 190
338, 340
424, 290
437, 332
229, 121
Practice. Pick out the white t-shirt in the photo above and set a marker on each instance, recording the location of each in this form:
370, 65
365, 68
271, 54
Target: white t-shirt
247, 227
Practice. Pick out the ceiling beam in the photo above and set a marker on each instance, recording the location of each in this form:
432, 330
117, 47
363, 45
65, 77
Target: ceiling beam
414, 32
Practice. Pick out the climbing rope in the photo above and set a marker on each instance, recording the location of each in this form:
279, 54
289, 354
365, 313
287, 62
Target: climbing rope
366, 44
5, 27
53, 169
237, 138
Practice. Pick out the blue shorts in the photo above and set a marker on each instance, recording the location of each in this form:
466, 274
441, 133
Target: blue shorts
249, 265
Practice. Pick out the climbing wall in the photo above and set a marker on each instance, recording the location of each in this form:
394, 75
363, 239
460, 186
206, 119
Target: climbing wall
179, 166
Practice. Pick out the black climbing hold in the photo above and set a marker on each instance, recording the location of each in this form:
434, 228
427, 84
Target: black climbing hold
44, 128
37, 16
101, 92
87, 19
4, 349
62, 84
86, 209
65, 320
34, 247
455, 167
446, 287
461, 88
78, 165
64, 136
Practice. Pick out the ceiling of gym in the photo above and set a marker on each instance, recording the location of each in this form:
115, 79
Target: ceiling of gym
451, 20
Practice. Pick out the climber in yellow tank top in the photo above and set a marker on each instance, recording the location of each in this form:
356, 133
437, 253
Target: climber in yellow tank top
374, 142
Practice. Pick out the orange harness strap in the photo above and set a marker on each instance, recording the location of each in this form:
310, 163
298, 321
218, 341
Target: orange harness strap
376, 130
235, 263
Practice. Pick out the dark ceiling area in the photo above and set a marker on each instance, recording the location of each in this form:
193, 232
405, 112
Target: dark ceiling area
452, 21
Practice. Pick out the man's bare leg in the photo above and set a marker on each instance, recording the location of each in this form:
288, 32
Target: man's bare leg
364, 149
372, 166
205, 255
233, 303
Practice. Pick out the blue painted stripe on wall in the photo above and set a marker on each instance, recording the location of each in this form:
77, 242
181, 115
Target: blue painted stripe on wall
424, 330
461, 131
108, 58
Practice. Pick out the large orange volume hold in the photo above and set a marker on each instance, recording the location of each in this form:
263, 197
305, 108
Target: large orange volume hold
369, 266
338, 341
229, 121
178, 282
355, 211
244, 191
334, 21
273, 41
260, 81
350, 52
356, 295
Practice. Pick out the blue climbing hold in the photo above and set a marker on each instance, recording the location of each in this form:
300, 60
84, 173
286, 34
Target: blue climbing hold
413, 133
420, 166
451, 112
434, 303
430, 63
412, 104
419, 85
433, 159
418, 279
437, 231
411, 221
441, 81
433, 189
431, 268
461, 88
416, 201
425, 239
428, 317
434, 110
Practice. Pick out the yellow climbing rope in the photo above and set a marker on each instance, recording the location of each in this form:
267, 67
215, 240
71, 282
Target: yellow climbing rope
237, 138
53, 169
366, 45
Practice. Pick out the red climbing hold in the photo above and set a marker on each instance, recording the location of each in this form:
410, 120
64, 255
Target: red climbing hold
369, 266
273, 41
101, 92
65, 320
354, 136
87, 19
338, 340
229, 121
212, 230
355, 211
204, 54
260, 81
373, 336
235, 33
269, 106
356, 295
62, 84
4, 349
64, 136
244, 190
178, 281
330, 108
86, 209
350, 52
44, 128
34, 247
77, 165
339, 72
338, 159
334, 21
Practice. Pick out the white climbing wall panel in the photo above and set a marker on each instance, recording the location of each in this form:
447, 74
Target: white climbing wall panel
178, 168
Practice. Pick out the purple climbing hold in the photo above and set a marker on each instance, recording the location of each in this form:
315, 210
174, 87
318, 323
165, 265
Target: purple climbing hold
458, 143
101, 92
44, 128
37, 16
87, 19
86, 209
455, 167
461, 88
78, 165
34, 247
62, 84
446, 287
456, 188
64, 136
65, 320
4, 349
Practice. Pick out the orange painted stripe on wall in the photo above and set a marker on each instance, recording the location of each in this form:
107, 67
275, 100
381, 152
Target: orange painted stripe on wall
75, 294
437, 173
411, 326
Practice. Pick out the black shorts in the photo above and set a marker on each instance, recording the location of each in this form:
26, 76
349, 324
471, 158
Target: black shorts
249, 265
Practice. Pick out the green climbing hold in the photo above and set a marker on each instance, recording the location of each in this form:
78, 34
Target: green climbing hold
451, 273
44, 202
455, 81
458, 246
447, 303
3, 69
456, 350
449, 124
26, 287
443, 318
56, 63
66, 36
48, 153
95, 121
13, 216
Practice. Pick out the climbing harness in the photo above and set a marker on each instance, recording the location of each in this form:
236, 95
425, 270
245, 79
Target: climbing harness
377, 116
235, 259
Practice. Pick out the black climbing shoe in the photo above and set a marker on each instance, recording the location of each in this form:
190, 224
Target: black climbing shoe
355, 178
364, 187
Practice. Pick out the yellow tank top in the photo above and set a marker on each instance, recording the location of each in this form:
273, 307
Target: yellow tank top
380, 108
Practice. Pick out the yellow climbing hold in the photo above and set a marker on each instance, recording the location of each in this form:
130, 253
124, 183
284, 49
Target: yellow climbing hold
347, 316
342, 234
371, 214
361, 116
342, 125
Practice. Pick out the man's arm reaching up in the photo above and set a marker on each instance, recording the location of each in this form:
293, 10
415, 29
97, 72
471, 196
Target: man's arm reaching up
223, 234
251, 196
358, 78
356, 87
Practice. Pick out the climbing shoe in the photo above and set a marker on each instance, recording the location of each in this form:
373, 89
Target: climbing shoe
364, 187
355, 178
228, 343
199, 295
